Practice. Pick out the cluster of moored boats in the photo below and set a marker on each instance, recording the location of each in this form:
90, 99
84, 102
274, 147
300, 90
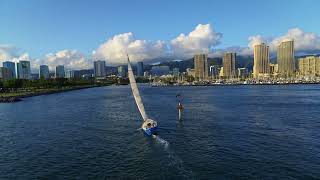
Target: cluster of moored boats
246, 82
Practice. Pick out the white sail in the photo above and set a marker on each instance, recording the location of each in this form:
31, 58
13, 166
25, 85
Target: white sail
135, 92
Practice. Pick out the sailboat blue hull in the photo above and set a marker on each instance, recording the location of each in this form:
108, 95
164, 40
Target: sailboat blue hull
150, 131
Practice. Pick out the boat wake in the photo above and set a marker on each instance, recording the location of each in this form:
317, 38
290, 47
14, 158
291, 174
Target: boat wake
161, 141
174, 159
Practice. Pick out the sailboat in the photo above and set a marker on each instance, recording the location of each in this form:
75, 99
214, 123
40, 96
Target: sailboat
149, 126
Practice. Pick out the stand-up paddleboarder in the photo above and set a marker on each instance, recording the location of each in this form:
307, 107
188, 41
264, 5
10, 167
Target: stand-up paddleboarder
179, 107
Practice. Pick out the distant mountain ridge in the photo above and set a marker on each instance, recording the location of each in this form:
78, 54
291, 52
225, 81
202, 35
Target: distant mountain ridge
241, 62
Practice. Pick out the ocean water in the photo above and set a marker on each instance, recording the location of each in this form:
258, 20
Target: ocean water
227, 132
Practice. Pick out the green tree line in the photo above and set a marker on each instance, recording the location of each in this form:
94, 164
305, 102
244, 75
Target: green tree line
45, 83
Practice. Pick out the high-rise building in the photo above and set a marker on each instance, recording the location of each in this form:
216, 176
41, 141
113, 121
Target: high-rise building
11, 66
122, 71
44, 72
23, 70
100, 69
60, 71
140, 69
5, 73
309, 66
285, 58
201, 66
229, 66
261, 60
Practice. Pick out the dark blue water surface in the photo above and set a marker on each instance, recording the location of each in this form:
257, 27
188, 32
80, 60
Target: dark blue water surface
228, 132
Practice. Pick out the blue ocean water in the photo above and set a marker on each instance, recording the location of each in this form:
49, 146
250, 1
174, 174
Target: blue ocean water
227, 132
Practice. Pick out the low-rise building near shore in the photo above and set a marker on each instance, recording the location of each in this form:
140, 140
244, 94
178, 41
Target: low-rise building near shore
242, 73
309, 66
274, 70
190, 72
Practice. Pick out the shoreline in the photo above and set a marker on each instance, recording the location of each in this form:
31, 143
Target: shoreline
235, 84
17, 98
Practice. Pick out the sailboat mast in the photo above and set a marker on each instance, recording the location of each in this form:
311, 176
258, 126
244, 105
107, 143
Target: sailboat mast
135, 91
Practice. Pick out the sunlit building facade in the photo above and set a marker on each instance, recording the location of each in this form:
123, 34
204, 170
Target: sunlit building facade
201, 66
273, 70
229, 66
309, 66
285, 58
261, 61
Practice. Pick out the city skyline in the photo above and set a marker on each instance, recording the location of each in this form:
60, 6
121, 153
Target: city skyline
159, 89
208, 32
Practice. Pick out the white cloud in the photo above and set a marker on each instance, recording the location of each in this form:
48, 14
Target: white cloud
71, 59
115, 49
202, 39
11, 53
304, 42
258, 39
8, 52
24, 56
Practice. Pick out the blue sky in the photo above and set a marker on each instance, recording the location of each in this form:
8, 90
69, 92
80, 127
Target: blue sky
40, 27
